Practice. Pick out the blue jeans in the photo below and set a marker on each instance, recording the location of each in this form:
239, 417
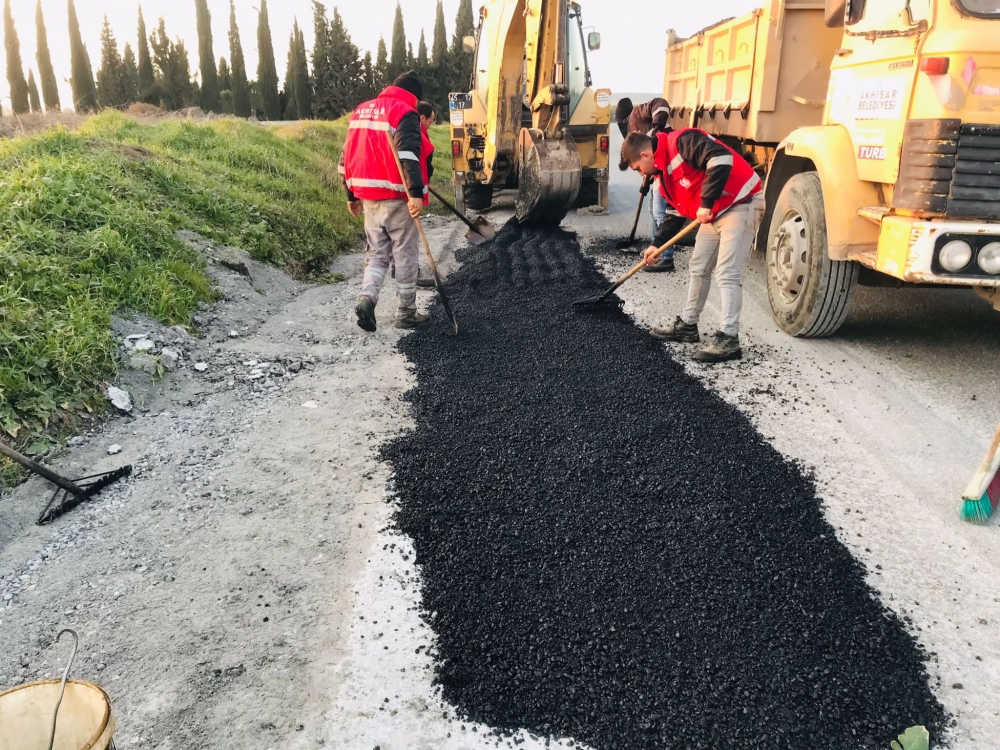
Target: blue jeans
658, 210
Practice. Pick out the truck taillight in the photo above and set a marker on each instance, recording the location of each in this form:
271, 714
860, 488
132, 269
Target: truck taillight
456, 148
604, 144
934, 66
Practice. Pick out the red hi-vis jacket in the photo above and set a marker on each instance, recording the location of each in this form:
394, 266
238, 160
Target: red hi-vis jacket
367, 164
681, 183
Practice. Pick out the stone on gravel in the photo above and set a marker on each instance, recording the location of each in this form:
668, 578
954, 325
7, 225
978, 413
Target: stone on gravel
170, 358
75, 441
143, 345
200, 366
119, 399
143, 362
630, 566
113, 449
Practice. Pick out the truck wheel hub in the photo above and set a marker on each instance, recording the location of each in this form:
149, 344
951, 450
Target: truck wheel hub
788, 261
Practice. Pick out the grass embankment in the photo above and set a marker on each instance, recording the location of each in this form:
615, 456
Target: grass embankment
87, 223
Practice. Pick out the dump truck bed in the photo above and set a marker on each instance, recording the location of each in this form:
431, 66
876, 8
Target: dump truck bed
756, 77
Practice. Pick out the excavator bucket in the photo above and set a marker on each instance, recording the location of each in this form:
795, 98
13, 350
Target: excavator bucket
549, 177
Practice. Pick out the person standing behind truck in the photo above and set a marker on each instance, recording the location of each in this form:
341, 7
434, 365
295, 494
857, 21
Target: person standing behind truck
389, 202
710, 183
650, 118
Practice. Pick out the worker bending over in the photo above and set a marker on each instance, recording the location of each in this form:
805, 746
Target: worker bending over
390, 201
650, 118
710, 183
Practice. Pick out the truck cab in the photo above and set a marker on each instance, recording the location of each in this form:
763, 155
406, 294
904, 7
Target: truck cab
900, 182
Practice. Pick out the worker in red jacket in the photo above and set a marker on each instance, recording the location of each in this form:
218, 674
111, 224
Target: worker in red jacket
650, 118
389, 201
708, 182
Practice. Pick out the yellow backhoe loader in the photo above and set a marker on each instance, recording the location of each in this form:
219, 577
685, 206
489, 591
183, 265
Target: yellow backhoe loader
531, 121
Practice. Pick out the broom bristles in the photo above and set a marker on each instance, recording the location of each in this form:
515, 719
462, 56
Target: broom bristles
980, 510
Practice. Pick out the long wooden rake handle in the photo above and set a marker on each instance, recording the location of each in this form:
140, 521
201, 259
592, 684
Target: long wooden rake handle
638, 209
423, 237
638, 266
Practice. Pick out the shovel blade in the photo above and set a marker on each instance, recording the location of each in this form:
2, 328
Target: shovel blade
599, 303
483, 232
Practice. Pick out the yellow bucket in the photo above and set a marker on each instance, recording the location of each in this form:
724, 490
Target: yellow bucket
84, 723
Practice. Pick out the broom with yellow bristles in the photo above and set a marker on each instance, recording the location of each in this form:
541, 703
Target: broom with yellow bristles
983, 491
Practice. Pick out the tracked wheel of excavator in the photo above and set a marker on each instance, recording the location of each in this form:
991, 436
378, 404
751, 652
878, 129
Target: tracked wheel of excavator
549, 175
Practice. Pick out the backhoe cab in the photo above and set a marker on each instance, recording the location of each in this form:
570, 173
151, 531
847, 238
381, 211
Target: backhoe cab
531, 121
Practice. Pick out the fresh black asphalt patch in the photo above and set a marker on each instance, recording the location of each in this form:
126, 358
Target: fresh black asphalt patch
613, 553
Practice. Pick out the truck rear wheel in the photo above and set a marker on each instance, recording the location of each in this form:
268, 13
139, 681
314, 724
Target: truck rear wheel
478, 197
808, 292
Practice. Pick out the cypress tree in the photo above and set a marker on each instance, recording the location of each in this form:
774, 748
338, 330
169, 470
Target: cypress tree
322, 64
291, 111
50, 89
422, 53
410, 60
381, 77
461, 62
366, 90
82, 80
439, 49
267, 74
225, 80
15, 72
238, 70
303, 87
174, 68
344, 58
397, 62
147, 79
206, 59
436, 81
111, 74
131, 75
33, 98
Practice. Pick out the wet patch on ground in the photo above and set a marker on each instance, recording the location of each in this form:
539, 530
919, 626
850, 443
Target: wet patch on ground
611, 552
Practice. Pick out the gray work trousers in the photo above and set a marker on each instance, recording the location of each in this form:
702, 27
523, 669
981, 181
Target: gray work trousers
392, 237
722, 248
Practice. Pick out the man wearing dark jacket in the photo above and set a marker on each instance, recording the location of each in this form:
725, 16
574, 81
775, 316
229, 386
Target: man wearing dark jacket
650, 118
389, 201
704, 180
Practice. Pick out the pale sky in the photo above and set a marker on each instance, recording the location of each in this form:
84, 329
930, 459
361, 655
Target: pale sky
631, 57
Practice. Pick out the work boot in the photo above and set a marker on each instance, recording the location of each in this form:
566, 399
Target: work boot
663, 265
411, 319
678, 331
722, 347
366, 314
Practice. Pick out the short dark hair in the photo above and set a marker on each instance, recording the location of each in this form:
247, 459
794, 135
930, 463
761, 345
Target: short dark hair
623, 110
410, 81
426, 109
632, 148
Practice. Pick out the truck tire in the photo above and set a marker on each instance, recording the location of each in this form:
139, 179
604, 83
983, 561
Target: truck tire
590, 193
478, 197
808, 292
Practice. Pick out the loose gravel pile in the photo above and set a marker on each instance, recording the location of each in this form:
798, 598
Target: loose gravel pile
611, 552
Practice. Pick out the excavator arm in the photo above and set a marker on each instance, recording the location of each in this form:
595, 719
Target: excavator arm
549, 168
522, 61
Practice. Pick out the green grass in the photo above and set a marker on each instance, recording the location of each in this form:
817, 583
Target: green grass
87, 222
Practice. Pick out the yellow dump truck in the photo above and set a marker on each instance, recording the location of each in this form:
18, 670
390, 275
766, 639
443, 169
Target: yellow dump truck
877, 124
532, 121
